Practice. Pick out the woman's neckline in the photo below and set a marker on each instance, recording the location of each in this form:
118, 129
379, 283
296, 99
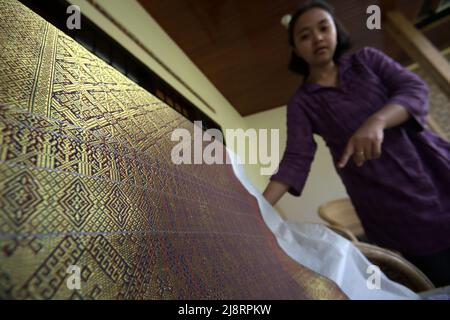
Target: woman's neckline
340, 70
338, 73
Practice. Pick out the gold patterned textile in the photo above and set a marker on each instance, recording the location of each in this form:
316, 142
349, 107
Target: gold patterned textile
86, 179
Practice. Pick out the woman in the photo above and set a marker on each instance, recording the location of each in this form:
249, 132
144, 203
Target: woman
371, 112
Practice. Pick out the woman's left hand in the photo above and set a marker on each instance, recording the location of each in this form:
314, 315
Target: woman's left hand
365, 143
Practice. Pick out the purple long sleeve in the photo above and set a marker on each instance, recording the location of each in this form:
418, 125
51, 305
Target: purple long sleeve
300, 149
405, 87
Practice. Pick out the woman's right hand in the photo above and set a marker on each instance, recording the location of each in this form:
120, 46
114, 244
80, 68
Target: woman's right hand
365, 144
274, 191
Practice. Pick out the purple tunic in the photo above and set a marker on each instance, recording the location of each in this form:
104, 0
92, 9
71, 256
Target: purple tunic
402, 198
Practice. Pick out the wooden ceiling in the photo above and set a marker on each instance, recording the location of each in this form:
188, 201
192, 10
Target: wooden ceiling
242, 47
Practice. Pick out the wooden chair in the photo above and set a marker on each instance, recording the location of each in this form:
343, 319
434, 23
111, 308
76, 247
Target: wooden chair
344, 233
393, 265
396, 268
341, 213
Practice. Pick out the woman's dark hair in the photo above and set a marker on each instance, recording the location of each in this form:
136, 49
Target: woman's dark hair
297, 64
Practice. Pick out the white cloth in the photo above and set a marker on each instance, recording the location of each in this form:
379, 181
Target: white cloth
318, 248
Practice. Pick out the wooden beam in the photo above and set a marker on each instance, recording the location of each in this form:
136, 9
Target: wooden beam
419, 48
410, 9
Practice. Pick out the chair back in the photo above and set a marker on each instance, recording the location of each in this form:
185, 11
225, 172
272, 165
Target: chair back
396, 268
341, 213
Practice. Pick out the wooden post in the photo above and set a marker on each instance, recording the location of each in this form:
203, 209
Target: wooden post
415, 44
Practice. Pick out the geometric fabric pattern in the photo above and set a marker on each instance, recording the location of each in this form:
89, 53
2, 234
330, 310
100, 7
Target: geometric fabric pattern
86, 179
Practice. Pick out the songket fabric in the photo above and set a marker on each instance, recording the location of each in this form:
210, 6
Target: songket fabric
88, 188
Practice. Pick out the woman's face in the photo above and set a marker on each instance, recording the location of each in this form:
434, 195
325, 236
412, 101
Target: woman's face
315, 36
